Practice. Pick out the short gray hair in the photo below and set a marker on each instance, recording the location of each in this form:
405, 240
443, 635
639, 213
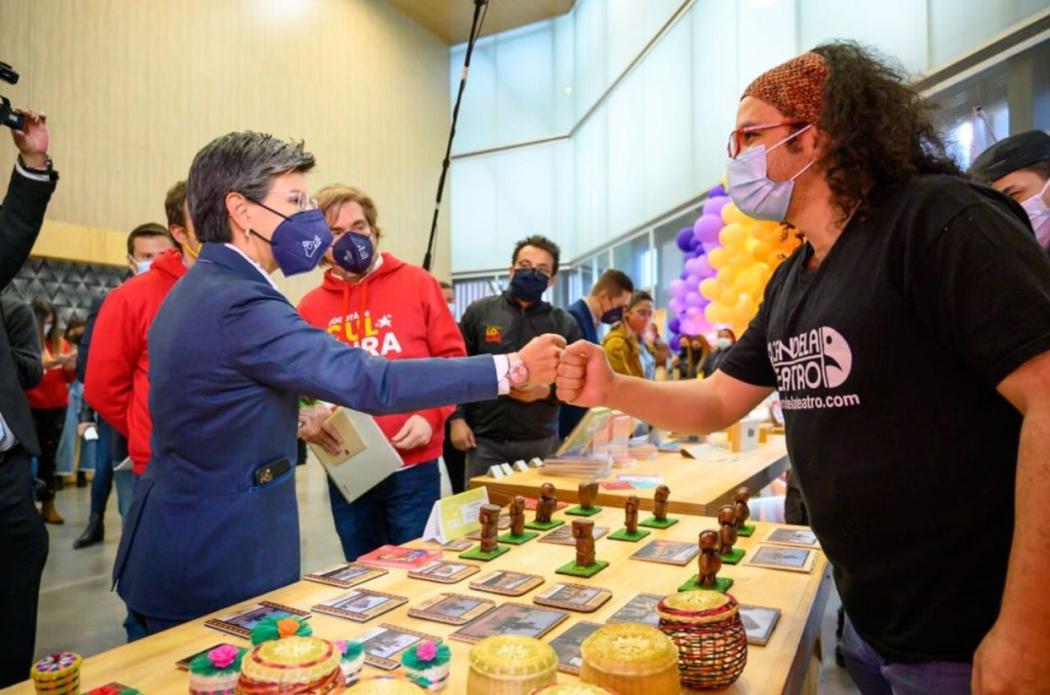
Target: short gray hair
244, 162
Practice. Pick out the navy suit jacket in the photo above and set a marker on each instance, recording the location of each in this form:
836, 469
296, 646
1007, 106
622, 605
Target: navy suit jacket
571, 415
229, 359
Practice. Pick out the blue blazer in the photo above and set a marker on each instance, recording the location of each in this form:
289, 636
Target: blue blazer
229, 359
570, 415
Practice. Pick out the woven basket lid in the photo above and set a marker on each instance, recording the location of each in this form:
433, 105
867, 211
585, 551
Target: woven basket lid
629, 649
697, 607
572, 689
512, 655
385, 685
58, 666
291, 660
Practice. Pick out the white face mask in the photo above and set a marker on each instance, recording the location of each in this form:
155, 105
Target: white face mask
753, 191
723, 343
1039, 214
47, 327
140, 266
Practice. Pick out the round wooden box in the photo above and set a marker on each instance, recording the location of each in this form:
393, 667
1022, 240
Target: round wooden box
280, 665
511, 665
712, 643
630, 659
57, 674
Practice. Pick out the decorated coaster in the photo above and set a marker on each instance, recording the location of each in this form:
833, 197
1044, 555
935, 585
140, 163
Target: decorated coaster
563, 535
573, 597
511, 619
242, 622
452, 609
507, 583
544, 525
653, 522
571, 568
360, 605
518, 539
582, 511
476, 553
721, 585
216, 671
345, 575
427, 664
445, 572
625, 535
734, 557
567, 647
457, 545
384, 643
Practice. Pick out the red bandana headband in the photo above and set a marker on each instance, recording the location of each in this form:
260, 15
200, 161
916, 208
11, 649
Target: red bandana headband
795, 88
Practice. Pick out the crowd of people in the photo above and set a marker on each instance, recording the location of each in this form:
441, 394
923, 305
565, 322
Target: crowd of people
923, 293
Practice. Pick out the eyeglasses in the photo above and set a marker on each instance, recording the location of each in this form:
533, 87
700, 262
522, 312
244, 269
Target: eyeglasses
526, 265
737, 137
300, 199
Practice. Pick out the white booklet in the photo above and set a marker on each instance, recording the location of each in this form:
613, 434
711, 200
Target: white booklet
366, 458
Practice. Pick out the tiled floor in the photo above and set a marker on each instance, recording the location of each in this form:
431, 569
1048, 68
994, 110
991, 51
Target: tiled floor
78, 611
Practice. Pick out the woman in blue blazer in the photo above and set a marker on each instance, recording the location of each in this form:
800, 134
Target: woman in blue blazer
215, 520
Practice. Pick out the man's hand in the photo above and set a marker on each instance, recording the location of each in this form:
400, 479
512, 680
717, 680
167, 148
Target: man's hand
541, 357
315, 430
83, 427
462, 435
415, 433
1012, 659
32, 140
528, 394
584, 376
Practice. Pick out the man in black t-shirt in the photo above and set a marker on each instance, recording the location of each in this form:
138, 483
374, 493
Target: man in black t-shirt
909, 339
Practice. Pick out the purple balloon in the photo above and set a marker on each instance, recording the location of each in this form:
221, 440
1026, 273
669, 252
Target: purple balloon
695, 245
713, 206
710, 246
717, 191
676, 305
683, 275
690, 266
673, 325
692, 311
692, 283
693, 299
677, 288
706, 228
703, 268
684, 239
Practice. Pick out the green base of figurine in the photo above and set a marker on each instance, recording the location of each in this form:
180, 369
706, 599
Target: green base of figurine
653, 522
544, 525
577, 571
746, 530
476, 553
580, 511
721, 585
734, 557
624, 535
517, 540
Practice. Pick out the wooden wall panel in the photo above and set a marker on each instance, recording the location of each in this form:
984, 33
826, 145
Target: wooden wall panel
133, 88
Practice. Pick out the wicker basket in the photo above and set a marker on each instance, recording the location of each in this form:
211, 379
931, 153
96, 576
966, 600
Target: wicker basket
278, 665
712, 643
511, 665
573, 689
385, 685
630, 659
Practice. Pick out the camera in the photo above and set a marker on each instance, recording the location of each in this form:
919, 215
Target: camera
9, 116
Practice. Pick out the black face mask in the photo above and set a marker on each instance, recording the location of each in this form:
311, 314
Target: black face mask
528, 284
74, 338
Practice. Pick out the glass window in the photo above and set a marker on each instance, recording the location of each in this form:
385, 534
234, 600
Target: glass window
669, 259
633, 258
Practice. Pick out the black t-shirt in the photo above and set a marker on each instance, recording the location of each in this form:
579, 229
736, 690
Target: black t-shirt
887, 357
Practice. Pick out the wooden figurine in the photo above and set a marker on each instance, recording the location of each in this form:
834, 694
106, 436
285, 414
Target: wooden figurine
741, 508
488, 515
546, 504
710, 562
631, 514
517, 516
660, 502
588, 493
727, 534
583, 532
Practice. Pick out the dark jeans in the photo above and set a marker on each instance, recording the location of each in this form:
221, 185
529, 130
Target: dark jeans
455, 461
49, 423
393, 512
144, 625
102, 483
24, 545
877, 676
489, 452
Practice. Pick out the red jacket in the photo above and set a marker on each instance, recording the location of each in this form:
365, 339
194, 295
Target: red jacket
52, 391
404, 315
117, 377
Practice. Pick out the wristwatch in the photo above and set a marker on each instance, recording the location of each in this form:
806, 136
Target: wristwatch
517, 372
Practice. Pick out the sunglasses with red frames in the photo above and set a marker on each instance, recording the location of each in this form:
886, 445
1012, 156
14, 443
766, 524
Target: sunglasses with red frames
736, 137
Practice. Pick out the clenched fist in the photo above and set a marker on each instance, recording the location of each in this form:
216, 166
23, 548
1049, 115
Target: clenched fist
584, 376
541, 358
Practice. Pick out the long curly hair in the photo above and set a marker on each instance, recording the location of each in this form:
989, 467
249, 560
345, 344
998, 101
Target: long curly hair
878, 128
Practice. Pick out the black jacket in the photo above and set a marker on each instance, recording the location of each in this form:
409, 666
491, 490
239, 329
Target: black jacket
20, 326
499, 325
21, 217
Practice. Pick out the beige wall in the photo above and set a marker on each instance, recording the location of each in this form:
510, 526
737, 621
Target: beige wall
133, 88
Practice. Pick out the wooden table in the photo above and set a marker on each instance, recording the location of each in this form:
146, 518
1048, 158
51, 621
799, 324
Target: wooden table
780, 666
698, 486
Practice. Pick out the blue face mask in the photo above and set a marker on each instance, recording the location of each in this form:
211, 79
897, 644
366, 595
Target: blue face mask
353, 253
299, 241
612, 315
528, 284
752, 190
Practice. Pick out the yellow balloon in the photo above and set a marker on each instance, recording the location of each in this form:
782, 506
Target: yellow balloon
765, 232
746, 308
731, 215
763, 249
728, 273
732, 235
716, 313
710, 289
716, 258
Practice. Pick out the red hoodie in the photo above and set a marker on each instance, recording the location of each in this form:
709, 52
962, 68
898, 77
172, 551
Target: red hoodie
397, 311
52, 391
117, 376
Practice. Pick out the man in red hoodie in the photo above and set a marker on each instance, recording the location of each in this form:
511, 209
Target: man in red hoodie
394, 310
117, 378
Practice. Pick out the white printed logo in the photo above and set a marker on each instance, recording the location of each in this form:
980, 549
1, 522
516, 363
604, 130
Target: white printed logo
310, 247
816, 359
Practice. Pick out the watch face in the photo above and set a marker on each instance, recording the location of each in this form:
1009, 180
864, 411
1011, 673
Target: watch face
518, 374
